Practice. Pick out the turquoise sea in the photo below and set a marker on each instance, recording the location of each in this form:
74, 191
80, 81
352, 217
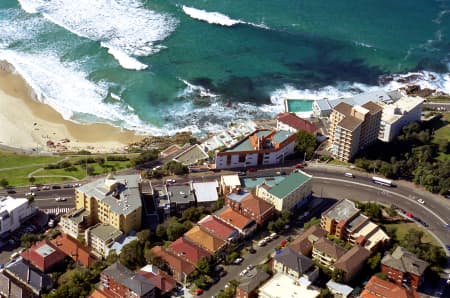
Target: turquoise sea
164, 66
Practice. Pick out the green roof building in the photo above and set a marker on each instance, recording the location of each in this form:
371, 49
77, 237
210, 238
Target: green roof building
294, 190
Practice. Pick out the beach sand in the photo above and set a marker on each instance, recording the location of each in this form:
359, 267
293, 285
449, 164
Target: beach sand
30, 125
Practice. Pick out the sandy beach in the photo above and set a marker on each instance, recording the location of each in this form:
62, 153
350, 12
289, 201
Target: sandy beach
30, 125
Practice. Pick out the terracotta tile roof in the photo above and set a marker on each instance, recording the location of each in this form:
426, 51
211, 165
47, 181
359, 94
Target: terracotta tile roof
188, 250
377, 288
44, 255
352, 259
160, 279
217, 227
235, 219
350, 123
203, 239
74, 249
343, 108
256, 206
304, 243
174, 261
330, 248
296, 122
98, 293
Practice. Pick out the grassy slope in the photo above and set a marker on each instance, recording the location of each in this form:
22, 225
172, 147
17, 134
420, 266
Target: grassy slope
443, 133
403, 228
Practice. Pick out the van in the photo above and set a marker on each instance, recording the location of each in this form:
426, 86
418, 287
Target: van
350, 175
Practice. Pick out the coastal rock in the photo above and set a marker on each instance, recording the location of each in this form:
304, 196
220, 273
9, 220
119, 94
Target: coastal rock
416, 90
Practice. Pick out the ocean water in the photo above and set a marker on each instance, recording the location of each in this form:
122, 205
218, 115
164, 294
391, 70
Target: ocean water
159, 67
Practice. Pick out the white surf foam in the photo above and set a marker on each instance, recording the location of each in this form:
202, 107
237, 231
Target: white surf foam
217, 18
362, 44
124, 27
192, 89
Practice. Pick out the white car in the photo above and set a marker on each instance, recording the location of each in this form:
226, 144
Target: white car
60, 199
238, 261
421, 201
30, 194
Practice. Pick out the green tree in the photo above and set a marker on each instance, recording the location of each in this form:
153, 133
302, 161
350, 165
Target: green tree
143, 236
176, 168
4, 183
90, 170
27, 239
193, 214
338, 275
381, 275
203, 266
305, 143
374, 261
325, 293
161, 231
32, 179
175, 230
132, 255
312, 222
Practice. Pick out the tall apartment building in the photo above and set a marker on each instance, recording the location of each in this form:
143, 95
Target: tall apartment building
114, 200
352, 128
406, 110
13, 212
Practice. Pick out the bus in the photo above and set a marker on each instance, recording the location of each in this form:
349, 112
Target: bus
382, 181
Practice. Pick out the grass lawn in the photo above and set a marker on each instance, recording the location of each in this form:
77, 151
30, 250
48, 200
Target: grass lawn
438, 99
403, 228
80, 173
11, 159
18, 177
338, 162
443, 133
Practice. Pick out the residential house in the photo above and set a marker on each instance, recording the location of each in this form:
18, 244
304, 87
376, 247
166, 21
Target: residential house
9, 287
202, 238
352, 262
304, 242
404, 268
295, 264
250, 206
169, 151
379, 288
293, 191
339, 290
162, 281
248, 285
74, 249
244, 225
206, 193
180, 197
218, 228
119, 281
263, 147
115, 200
228, 183
179, 268
100, 237
188, 250
291, 122
282, 285
14, 212
44, 256
27, 276
406, 110
353, 128
326, 252
75, 223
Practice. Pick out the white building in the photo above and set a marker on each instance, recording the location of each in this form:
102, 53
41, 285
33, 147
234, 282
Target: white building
263, 147
282, 285
13, 212
206, 192
406, 110
100, 237
75, 223
294, 190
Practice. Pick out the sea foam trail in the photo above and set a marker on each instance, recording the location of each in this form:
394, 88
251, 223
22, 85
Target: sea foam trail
124, 27
193, 89
216, 18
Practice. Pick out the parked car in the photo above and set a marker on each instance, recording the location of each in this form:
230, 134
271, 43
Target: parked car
198, 292
252, 169
56, 187
238, 261
251, 250
299, 166
67, 185
45, 187
421, 201
273, 236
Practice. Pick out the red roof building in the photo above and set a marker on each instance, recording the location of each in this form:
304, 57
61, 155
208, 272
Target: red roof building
293, 123
378, 288
250, 206
179, 267
159, 278
74, 249
218, 228
44, 256
188, 250
246, 226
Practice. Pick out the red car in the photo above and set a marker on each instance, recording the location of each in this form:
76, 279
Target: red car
198, 292
299, 166
283, 243
252, 169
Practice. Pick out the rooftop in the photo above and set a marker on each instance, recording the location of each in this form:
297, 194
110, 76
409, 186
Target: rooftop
350, 123
352, 259
393, 112
177, 263
281, 285
206, 191
342, 210
9, 203
228, 215
250, 283
375, 238
121, 274
251, 183
27, 274
291, 183
294, 260
372, 107
202, 238
329, 248
191, 155
271, 138
180, 194
105, 232
256, 205
74, 249
188, 250
296, 122
77, 216
121, 193
342, 289
159, 278
404, 261
376, 288
218, 228
230, 180
304, 242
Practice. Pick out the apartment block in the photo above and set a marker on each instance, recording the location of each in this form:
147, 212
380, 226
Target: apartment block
13, 212
263, 147
115, 200
352, 128
250, 206
100, 237
75, 223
